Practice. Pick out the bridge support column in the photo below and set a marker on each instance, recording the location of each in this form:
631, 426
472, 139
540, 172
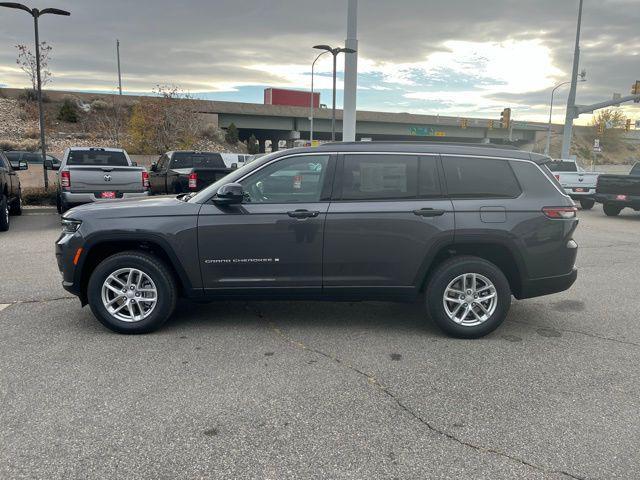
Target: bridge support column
274, 145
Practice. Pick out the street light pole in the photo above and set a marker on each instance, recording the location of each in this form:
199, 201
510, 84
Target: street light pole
35, 13
119, 74
334, 52
311, 104
571, 101
548, 145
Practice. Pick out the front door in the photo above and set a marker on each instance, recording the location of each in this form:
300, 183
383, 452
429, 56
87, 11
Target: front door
273, 240
157, 178
387, 217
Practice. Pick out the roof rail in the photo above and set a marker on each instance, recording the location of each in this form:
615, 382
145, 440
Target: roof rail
414, 142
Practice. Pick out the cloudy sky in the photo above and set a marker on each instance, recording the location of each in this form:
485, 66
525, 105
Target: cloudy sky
452, 57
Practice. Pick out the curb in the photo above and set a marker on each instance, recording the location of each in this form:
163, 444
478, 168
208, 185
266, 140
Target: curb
27, 210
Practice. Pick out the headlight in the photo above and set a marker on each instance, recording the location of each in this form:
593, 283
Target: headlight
70, 226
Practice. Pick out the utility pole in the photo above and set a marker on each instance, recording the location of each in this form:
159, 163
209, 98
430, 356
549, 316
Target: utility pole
571, 101
119, 74
350, 74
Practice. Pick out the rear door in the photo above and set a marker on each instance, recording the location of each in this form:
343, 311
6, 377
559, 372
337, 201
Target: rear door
387, 216
273, 240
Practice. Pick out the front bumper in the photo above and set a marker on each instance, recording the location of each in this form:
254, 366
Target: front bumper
66, 250
549, 285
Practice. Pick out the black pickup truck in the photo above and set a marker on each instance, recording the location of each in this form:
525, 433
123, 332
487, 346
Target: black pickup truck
10, 190
616, 192
185, 171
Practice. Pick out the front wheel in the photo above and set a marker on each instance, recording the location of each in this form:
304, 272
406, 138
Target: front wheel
468, 297
587, 204
611, 210
132, 292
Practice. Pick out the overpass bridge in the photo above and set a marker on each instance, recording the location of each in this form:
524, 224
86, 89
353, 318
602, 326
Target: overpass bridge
275, 123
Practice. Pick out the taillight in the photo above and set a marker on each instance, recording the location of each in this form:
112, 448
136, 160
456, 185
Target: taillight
193, 181
145, 180
560, 212
65, 180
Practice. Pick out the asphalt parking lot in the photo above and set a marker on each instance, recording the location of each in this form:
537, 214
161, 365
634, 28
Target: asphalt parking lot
322, 390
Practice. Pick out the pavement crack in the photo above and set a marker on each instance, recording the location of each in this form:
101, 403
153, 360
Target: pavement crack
373, 381
43, 300
580, 332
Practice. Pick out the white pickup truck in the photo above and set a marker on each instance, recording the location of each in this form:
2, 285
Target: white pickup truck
579, 184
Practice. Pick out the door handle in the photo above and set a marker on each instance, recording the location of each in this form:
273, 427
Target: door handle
302, 214
429, 212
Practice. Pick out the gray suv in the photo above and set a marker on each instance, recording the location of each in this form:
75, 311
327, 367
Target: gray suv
464, 228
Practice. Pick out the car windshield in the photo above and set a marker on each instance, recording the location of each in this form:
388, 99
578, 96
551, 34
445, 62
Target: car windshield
98, 158
559, 166
234, 176
197, 160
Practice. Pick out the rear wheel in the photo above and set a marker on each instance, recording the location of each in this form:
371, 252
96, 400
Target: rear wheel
587, 204
468, 297
16, 207
61, 205
611, 210
132, 292
4, 213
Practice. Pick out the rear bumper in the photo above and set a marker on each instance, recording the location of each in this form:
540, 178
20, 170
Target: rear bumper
549, 285
632, 201
89, 197
588, 193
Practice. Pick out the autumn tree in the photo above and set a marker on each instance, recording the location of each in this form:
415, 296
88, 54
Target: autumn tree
232, 135
614, 122
163, 122
253, 147
27, 62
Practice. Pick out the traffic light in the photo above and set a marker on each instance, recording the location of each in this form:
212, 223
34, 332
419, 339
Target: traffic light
464, 123
627, 126
635, 90
505, 118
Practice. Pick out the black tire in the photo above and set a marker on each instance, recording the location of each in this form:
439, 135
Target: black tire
611, 210
587, 204
16, 206
4, 213
450, 270
151, 266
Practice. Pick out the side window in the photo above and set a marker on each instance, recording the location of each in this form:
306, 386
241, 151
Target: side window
291, 180
480, 178
379, 177
428, 179
162, 163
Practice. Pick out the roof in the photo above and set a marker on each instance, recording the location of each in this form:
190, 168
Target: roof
423, 147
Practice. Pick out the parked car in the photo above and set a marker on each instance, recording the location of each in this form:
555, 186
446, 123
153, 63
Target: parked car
88, 174
462, 227
15, 156
579, 184
234, 160
10, 190
186, 171
616, 192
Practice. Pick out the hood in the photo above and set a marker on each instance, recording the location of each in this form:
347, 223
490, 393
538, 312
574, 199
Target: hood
160, 206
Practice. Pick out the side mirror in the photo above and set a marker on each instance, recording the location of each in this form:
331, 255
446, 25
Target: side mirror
229, 194
23, 165
154, 167
48, 164
234, 166
134, 164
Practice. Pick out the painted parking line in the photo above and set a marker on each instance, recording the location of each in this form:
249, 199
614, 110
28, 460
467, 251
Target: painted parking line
4, 305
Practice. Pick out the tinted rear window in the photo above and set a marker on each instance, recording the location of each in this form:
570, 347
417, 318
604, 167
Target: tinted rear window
13, 156
562, 166
197, 160
480, 178
97, 157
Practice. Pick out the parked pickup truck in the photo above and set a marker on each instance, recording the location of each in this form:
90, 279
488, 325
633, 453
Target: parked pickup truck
616, 192
579, 184
185, 171
10, 191
90, 174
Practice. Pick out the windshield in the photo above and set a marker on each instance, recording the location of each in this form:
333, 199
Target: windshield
635, 170
98, 158
197, 160
234, 176
559, 166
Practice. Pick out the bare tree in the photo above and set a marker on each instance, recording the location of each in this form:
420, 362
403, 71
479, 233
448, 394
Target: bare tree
27, 62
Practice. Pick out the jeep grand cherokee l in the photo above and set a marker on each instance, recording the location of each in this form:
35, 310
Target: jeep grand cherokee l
462, 227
